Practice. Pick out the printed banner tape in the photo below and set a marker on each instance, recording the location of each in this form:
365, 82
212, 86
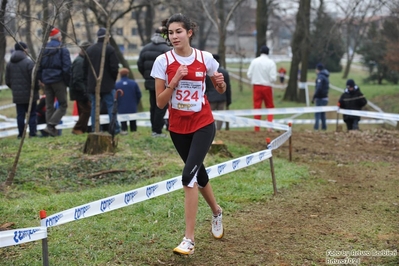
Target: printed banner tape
148, 192
20, 236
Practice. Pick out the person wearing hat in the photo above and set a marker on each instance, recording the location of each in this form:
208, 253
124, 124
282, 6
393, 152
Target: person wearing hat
55, 72
146, 60
262, 73
127, 104
320, 96
218, 101
78, 91
110, 74
18, 78
352, 99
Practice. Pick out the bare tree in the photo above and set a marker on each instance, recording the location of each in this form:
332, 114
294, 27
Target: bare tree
195, 11
305, 46
26, 14
355, 23
297, 48
64, 18
113, 16
220, 17
47, 25
88, 26
264, 9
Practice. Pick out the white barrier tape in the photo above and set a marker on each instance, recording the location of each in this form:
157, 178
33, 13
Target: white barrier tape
5, 118
385, 116
7, 106
248, 122
328, 121
20, 236
278, 111
148, 192
280, 140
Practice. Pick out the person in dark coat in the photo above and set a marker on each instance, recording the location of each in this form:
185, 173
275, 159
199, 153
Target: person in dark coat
148, 54
352, 99
110, 74
320, 96
18, 78
127, 104
78, 92
218, 101
55, 72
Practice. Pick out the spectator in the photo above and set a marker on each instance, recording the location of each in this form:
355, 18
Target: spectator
110, 74
18, 78
78, 92
148, 54
320, 96
191, 123
281, 73
352, 99
55, 72
263, 73
127, 104
216, 100
41, 112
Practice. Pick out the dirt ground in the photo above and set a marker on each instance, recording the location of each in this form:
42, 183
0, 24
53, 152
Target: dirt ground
350, 203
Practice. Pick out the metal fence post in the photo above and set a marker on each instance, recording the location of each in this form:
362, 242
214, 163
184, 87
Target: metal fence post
43, 215
272, 169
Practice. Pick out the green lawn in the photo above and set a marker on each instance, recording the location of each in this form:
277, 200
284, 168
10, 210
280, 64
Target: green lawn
54, 175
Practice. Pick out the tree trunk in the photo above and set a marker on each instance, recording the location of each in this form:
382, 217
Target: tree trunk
99, 143
45, 25
222, 34
87, 26
296, 45
261, 24
347, 67
305, 50
3, 43
64, 18
140, 30
218, 147
28, 28
148, 23
203, 34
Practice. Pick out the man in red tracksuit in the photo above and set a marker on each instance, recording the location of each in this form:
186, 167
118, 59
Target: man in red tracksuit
263, 73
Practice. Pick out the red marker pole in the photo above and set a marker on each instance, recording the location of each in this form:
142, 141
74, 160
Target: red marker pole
290, 143
43, 215
272, 170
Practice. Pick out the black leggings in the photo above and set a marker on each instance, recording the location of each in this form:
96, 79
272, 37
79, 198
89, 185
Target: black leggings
193, 148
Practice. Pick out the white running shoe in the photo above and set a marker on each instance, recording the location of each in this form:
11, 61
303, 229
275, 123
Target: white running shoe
186, 247
217, 225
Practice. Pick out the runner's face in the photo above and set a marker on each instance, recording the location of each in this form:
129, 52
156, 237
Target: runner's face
179, 36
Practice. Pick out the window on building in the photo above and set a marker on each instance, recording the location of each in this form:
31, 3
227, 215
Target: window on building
135, 32
132, 46
133, 14
119, 31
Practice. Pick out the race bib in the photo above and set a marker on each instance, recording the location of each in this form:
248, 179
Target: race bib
188, 96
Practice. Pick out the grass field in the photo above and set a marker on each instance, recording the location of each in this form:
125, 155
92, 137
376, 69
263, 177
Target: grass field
54, 175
